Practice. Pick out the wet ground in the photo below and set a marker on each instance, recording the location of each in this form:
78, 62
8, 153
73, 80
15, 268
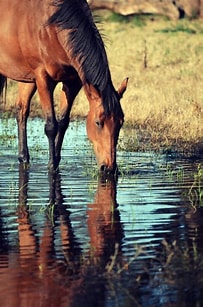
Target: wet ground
73, 239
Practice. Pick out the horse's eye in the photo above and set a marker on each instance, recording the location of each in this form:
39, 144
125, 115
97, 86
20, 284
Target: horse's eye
99, 124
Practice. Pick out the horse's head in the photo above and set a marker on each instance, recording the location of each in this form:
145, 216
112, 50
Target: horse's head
103, 130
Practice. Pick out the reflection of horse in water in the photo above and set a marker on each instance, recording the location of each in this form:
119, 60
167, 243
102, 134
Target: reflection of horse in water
38, 273
104, 220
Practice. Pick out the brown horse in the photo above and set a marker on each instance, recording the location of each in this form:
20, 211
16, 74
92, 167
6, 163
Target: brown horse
46, 42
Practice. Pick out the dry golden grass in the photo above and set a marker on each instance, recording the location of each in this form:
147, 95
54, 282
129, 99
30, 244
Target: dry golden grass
164, 63
165, 93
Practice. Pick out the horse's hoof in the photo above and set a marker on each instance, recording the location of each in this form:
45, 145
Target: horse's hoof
52, 167
24, 163
24, 166
23, 159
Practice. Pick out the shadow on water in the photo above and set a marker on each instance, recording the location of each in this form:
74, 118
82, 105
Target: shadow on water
72, 239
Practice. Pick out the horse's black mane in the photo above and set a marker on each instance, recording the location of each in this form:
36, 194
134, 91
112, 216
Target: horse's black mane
88, 47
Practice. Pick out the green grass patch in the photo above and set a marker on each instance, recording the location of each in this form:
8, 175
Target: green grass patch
182, 26
135, 20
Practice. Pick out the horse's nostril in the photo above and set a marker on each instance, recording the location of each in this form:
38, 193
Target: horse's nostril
103, 167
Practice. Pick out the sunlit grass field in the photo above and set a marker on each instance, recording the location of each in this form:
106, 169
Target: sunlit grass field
163, 59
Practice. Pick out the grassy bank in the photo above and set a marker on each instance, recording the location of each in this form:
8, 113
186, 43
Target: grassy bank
163, 105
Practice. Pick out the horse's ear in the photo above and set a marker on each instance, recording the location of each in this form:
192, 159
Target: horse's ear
123, 87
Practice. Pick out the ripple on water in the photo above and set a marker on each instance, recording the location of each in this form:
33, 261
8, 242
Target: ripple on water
86, 221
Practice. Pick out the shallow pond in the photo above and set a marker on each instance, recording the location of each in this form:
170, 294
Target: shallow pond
73, 239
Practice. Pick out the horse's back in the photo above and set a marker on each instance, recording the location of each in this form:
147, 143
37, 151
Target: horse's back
21, 24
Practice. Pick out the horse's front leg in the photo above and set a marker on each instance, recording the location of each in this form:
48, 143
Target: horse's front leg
69, 92
25, 94
46, 86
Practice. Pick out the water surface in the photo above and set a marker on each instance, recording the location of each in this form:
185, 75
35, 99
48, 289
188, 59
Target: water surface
73, 239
